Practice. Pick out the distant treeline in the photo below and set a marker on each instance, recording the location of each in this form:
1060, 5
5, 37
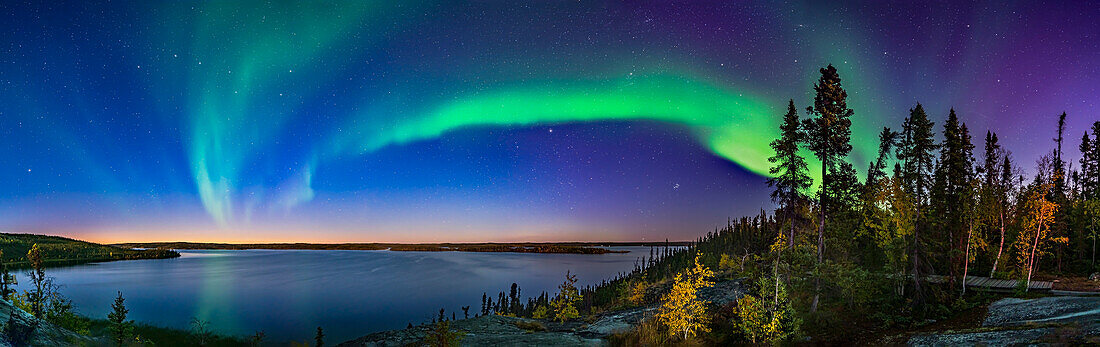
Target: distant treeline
58, 251
528, 247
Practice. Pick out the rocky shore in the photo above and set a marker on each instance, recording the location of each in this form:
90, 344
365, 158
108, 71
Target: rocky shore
496, 330
1050, 320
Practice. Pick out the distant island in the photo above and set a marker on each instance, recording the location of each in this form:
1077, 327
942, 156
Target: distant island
60, 251
523, 247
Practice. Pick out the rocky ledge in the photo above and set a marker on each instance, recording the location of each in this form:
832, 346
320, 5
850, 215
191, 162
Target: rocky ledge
512, 331
1050, 320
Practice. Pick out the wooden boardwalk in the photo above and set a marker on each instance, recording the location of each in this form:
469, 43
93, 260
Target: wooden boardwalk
993, 284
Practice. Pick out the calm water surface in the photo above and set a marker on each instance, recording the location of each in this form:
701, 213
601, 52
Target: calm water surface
288, 294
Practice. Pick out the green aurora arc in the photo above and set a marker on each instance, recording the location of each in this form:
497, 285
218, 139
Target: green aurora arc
732, 125
242, 98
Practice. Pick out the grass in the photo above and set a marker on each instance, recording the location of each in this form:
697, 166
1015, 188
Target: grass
161, 336
530, 326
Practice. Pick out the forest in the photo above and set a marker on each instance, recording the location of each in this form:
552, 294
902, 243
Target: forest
847, 257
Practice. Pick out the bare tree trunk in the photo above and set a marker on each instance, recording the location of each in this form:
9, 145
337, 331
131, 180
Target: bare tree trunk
918, 298
1031, 258
966, 260
820, 240
1001, 248
776, 274
790, 240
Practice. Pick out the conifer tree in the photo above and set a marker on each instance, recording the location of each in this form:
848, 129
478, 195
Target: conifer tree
1058, 227
1090, 163
564, 304
6, 279
828, 135
952, 193
916, 156
119, 327
789, 175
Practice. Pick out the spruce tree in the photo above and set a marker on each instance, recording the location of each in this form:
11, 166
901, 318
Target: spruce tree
1058, 173
916, 156
119, 327
829, 135
952, 193
1090, 163
1087, 163
1059, 227
789, 175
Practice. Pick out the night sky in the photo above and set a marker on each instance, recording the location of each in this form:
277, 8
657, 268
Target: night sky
411, 121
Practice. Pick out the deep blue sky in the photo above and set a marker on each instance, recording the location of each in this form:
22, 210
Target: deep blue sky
495, 120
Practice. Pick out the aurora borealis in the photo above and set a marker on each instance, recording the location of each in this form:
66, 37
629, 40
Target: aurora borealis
503, 121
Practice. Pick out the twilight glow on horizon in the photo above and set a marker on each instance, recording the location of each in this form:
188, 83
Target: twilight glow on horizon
437, 121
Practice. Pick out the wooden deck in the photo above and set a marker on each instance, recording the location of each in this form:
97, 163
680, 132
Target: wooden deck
993, 284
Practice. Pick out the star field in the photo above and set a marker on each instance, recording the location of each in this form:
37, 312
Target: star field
450, 121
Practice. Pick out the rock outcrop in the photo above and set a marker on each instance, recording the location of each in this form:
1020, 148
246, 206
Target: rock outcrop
1011, 321
489, 330
512, 331
43, 333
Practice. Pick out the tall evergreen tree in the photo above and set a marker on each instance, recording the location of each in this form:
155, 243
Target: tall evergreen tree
119, 327
1058, 171
887, 139
1058, 227
916, 156
829, 133
952, 193
1090, 163
789, 175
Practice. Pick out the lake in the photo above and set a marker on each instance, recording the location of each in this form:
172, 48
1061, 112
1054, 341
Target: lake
289, 293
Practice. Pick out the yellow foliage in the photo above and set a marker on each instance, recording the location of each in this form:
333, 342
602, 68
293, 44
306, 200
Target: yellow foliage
682, 311
725, 263
541, 312
637, 292
565, 304
1039, 214
780, 243
763, 321
757, 323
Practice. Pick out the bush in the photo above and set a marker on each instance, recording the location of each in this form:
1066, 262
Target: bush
767, 320
541, 312
681, 310
648, 333
637, 293
529, 326
441, 335
565, 304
